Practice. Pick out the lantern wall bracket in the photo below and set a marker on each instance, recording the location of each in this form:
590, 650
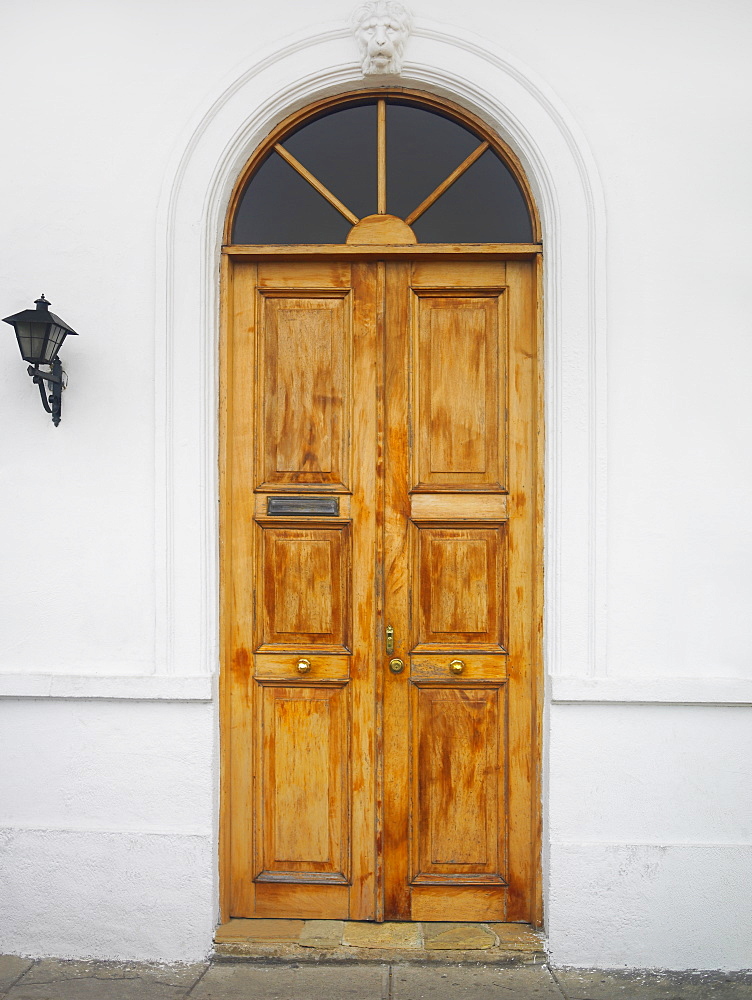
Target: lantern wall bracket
54, 402
40, 335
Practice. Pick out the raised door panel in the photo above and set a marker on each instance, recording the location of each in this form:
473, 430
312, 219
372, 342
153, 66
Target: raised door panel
303, 588
457, 781
459, 363
303, 787
305, 351
458, 590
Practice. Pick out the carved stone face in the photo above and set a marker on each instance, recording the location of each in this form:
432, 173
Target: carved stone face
381, 31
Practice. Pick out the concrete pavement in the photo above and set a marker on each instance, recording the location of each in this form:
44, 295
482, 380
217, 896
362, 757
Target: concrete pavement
223, 979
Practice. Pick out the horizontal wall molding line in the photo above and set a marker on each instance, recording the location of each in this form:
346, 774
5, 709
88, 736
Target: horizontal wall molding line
733, 692
147, 687
699, 845
88, 831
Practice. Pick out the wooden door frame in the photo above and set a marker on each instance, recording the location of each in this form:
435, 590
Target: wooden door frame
324, 252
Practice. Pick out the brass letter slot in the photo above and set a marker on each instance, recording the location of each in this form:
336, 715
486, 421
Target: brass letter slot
285, 506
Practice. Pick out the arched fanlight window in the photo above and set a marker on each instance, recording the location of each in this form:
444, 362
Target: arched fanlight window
352, 168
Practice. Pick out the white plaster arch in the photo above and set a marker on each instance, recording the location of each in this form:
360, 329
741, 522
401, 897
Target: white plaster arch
564, 180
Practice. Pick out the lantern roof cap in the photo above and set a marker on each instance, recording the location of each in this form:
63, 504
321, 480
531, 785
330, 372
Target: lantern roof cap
41, 314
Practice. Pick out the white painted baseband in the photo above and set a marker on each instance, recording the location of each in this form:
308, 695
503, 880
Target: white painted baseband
145, 687
129, 896
653, 906
653, 690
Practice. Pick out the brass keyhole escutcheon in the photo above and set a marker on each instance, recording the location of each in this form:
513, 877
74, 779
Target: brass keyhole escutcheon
304, 665
396, 665
456, 666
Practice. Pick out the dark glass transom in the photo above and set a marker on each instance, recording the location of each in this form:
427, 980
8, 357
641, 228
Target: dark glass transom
382, 156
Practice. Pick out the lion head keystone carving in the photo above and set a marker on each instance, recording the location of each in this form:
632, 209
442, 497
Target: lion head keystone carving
381, 29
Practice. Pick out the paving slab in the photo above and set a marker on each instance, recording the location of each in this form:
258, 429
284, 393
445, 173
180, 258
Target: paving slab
54, 979
387, 936
472, 982
588, 984
293, 982
12, 968
322, 934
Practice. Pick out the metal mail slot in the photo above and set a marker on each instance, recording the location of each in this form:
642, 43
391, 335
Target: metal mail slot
284, 506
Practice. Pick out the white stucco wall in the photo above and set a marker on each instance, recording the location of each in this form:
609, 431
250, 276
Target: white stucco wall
108, 785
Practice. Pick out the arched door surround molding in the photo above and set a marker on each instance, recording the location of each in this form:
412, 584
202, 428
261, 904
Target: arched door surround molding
214, 149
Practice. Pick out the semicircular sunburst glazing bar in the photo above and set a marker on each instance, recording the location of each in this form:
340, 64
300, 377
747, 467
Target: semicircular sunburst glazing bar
381, 171
316, 184
447, 183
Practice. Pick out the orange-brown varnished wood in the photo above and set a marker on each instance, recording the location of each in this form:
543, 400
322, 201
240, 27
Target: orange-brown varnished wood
324, 252
458, 587
475, 667
302, 812
460, 522
453, 507
366, 506
380, 230
238, 551
410, 390
225, 617
303, 587
381, 158
397, 591
300, 589
523, 611
303, 902
318, 668
459, 354
457, 784
465, 902
304, 399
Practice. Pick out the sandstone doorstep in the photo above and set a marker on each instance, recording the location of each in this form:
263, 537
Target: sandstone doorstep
322, 934
389, 936
457, 937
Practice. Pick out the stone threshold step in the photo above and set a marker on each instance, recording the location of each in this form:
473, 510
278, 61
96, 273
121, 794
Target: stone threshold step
349, 940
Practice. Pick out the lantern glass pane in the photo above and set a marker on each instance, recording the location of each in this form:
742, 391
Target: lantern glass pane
32, 339
56, 337
23, 333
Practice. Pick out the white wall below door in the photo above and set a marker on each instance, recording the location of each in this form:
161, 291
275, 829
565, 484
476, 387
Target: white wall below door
650, 836
108, 844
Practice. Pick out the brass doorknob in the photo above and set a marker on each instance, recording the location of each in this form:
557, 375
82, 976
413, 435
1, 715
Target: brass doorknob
304, 666
396, 665
456, 666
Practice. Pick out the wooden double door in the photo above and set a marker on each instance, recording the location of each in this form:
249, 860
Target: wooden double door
380, 556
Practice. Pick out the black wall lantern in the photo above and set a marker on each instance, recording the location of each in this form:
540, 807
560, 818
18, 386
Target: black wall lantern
40, 335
